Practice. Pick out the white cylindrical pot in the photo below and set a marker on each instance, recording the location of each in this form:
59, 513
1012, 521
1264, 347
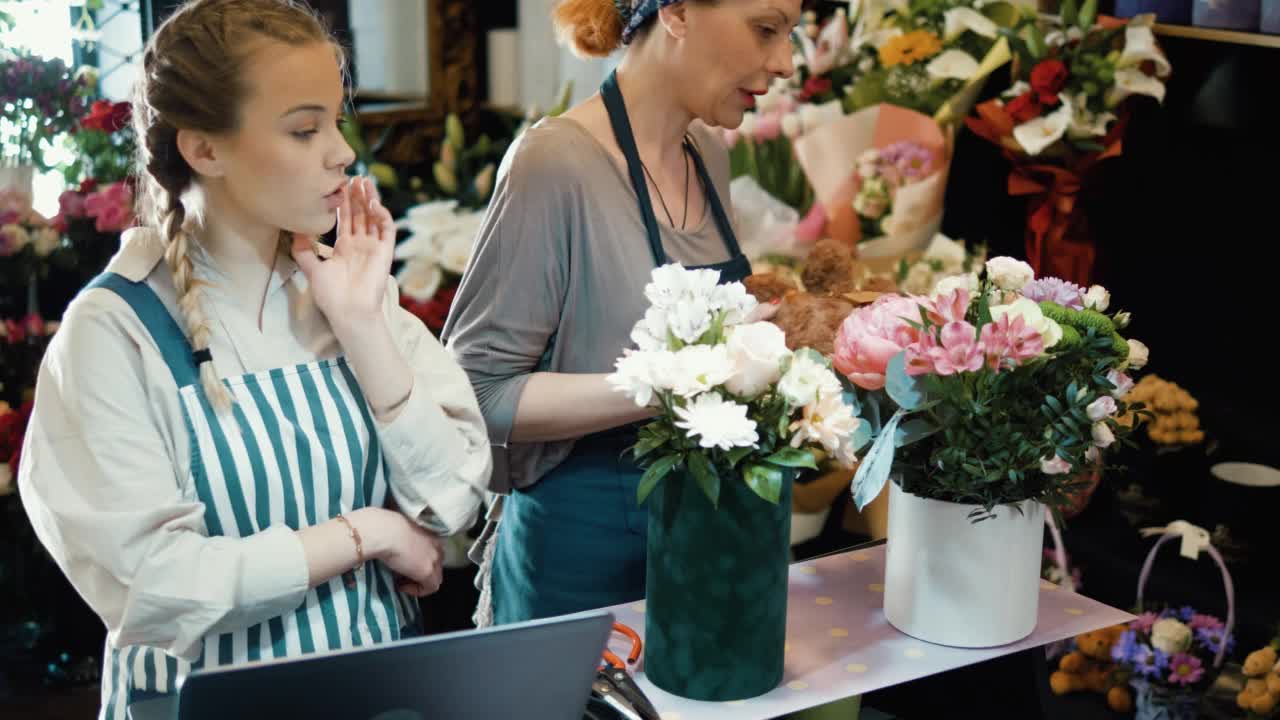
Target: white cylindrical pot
951, 581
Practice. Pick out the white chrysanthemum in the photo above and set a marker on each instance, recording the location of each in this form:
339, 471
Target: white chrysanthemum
807, 381
633, 377
717, 423
699, 368
650, 333
673, 284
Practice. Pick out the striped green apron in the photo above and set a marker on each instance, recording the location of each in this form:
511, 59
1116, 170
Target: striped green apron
298, 448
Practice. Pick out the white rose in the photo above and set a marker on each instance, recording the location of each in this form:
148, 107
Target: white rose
1009, 274
949, 253
919, 279
419, 278
1123, 383
1122, 320
1138, 353
698, 368
1102, 408
951, 283
1102, 435
1092, 455
1054, 466
1033, 316
1170, 636
757, 351
1097, 298
806, 381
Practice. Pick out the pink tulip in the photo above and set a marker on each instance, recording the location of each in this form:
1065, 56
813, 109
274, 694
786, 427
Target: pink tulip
870, 337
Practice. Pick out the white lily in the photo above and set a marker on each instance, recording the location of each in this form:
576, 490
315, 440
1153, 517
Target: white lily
1036, 135
1085, 123
966, 18
1132, 81
1018, 88
1140, 46
952, 64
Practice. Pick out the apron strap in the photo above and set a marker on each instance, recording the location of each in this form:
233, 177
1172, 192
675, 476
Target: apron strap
622, 133
173, 343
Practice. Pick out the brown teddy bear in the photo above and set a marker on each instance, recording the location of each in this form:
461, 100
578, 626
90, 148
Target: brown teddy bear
1090, 667
1262, 693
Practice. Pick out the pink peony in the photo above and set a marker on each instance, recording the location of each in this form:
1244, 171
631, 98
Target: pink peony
959, 350
949, 308
870, 337
112, 208
1009, 341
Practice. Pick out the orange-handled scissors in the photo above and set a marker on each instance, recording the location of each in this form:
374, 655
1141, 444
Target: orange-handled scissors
614, 685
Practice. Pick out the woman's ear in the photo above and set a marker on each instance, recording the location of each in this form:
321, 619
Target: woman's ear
675, 18
200, 152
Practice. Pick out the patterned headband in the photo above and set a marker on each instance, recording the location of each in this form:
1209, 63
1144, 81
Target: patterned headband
636, 12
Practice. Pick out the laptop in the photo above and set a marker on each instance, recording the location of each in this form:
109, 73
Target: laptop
538, 669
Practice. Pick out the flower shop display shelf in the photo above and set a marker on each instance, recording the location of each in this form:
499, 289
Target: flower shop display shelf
839, 644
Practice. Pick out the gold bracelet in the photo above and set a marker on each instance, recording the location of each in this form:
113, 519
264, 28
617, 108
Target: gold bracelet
355, 537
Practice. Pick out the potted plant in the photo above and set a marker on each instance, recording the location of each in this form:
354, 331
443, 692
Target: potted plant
986, 400
737, 413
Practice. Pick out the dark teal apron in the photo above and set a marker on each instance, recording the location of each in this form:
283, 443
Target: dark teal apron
576, 539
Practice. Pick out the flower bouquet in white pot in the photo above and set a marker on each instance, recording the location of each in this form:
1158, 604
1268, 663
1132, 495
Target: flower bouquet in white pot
986, 400
736, 414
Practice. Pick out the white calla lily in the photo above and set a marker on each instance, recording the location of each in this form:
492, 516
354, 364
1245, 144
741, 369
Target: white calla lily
1036, 135
1085, 123
1018, 88
952, 64
1132, 81
1139, 47
959, 19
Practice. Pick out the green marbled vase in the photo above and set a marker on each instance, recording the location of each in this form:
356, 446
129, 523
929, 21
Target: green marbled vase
716, 596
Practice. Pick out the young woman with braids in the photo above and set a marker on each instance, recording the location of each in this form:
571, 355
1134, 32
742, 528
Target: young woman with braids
241, 447
556, 283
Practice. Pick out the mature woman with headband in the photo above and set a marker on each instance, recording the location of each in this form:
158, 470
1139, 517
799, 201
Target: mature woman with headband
585, 206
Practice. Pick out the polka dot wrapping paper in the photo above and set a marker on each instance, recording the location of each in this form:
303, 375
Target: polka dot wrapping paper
840, 645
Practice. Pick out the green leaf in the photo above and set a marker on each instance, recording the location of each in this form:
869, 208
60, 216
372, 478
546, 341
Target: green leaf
793, 458
1088, 13
765, 481
904, 389
1069, 11
1035, 42
704, 473
654, 475
913, 431
737, 454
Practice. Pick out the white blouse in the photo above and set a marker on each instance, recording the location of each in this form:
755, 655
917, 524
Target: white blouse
107, 449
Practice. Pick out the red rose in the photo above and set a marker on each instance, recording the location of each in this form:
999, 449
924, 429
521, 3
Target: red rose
1047, 80
13, 425
815, 86
1023, 108
88, 185
107, 116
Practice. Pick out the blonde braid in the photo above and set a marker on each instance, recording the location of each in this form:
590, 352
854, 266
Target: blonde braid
190, 294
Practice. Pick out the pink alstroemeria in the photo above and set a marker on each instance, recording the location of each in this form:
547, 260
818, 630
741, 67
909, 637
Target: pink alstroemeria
1009, 341
950, 307
959, 350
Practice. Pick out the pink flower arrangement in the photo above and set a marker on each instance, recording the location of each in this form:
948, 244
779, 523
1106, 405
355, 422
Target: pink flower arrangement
15, 205
112, 208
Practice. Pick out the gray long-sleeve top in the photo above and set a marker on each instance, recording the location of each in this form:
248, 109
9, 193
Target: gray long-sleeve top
562, 254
